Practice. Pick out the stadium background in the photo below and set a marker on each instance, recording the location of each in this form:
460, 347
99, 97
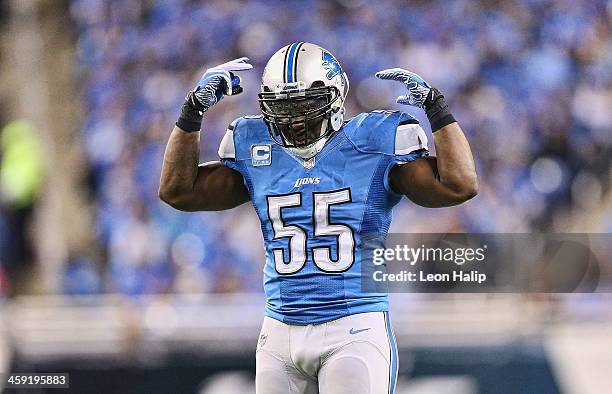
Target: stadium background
100, 278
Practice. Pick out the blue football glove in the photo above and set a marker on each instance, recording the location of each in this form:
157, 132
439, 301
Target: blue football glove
421, 94
217, 82
418, 89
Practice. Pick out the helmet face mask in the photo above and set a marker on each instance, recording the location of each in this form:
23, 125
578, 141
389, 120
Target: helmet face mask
302, 95
299, 118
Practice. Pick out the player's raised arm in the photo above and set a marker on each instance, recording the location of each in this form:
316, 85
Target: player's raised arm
184, 184
450, 177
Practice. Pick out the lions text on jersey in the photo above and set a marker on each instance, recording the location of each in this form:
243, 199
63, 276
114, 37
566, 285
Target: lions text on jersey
316, 212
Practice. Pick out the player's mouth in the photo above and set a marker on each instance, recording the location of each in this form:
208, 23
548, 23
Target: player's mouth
299, 134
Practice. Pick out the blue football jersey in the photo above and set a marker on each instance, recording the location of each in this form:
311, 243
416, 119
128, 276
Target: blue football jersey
316, 213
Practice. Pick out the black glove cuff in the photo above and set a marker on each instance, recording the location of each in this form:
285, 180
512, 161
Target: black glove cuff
437, 110
190, 119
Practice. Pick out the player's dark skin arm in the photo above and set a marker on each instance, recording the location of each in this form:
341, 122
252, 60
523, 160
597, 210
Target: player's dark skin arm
442, 181
187, 186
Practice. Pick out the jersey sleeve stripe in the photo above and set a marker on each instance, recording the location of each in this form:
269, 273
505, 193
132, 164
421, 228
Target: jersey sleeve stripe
408, 121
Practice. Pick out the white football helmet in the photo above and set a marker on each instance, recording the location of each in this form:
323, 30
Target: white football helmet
303, 86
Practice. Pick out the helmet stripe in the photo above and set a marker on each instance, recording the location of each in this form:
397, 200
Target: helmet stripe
295, 67
285, 64
291, 61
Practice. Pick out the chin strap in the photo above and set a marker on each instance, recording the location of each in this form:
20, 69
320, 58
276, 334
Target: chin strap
309, 151
324, 126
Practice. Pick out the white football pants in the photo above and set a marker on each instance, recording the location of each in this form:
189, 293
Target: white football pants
355, 354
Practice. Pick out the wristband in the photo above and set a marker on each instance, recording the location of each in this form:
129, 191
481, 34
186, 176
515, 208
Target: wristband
437, 110
191, 116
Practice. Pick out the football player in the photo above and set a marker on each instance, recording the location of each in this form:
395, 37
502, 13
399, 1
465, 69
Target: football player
319, 183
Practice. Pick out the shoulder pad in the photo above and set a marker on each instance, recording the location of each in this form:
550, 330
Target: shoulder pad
377, 131
227, 149
241, 134
249, 124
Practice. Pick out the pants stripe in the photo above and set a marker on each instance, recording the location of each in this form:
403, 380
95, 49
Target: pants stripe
393, 354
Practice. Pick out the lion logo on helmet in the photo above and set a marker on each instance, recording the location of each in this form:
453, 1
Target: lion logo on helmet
331, 65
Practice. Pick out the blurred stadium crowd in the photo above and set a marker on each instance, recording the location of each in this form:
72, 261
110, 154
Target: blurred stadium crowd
529, 80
